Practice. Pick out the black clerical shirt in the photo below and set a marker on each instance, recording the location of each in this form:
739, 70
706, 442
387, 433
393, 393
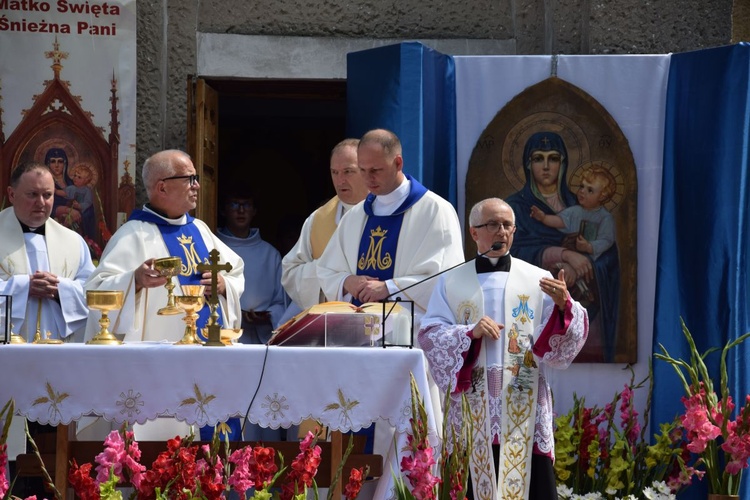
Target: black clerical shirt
484, 265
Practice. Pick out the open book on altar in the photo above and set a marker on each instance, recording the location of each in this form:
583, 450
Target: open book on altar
341, 324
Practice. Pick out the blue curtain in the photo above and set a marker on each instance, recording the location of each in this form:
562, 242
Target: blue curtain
703, 242
410, 89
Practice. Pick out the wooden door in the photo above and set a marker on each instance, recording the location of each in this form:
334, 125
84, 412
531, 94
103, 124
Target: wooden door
203, 145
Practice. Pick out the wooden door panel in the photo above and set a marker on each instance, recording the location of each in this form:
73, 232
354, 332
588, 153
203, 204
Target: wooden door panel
203, 138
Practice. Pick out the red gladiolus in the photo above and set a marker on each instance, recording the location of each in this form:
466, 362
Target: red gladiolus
83, 484
356, 478
303, 468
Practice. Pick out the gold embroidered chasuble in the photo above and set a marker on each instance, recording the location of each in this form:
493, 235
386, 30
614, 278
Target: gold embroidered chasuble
504, 379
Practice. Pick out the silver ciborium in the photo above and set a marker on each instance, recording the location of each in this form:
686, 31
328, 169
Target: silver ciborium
104, 301
169, 267
191, 301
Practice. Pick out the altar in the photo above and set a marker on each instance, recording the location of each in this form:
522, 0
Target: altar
343, 388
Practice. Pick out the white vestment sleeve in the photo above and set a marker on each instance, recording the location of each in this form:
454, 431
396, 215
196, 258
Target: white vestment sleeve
72, 295
299, 275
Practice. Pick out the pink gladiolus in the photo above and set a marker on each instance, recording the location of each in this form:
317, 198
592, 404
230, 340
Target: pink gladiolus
111, 458
4, 485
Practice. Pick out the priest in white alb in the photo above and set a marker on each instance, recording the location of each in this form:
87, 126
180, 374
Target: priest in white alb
299, 275
43, 265
164, 228
494, 330
400, 235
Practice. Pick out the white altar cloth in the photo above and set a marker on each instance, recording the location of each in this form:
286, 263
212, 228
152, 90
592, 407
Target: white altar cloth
344, 388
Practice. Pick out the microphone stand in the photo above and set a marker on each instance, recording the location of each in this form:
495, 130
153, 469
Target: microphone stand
495, 246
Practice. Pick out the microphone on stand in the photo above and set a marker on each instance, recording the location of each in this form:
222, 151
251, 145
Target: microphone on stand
495, 247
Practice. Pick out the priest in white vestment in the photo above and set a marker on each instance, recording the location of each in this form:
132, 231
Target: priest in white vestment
163, 228
43, 265
400, 235
299, 275
493, 331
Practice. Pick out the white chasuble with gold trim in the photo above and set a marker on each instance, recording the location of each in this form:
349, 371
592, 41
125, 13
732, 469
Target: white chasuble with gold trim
505, 379
60, 251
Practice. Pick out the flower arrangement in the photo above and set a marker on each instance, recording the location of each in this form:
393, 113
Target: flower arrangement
721, 444
418, 467
187, 471
597, 458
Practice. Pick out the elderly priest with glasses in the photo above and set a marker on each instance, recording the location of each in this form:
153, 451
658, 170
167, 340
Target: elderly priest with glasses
494, 331
164, 228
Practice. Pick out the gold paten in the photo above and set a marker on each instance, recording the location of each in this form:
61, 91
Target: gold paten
169, 267
104, 301
38, 339
230, 335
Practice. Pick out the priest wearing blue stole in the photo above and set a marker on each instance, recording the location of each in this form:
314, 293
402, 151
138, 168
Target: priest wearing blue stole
164, 228
400, 235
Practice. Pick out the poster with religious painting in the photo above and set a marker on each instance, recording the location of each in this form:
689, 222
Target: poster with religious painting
561, 161
68, 99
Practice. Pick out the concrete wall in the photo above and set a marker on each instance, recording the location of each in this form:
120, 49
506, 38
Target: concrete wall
168, 29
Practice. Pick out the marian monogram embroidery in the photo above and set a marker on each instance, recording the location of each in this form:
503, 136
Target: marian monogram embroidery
191, 259
523, 312
374, 259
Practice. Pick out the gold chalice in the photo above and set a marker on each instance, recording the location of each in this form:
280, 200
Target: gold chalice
191, 302
104, 301
169, 267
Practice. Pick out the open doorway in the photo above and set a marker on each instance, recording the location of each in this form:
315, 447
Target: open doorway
276, 136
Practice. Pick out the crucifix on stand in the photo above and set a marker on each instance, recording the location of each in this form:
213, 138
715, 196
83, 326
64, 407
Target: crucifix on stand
214, 329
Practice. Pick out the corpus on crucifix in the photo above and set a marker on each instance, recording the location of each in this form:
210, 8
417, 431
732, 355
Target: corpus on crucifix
214, 329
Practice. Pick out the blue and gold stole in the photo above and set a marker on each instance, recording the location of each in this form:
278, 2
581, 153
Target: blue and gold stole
184, 241
379, 240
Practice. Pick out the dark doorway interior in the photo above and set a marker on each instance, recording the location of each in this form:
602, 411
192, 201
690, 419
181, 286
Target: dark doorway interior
275, 138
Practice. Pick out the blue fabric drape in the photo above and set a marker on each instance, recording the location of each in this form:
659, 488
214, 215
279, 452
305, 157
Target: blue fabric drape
703, 238
410, 89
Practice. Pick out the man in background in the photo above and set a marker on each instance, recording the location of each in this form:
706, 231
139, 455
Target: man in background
299, 274
263, 301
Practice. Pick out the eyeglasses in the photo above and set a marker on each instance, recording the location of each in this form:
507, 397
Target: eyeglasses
193, 179
236, 205
494, 226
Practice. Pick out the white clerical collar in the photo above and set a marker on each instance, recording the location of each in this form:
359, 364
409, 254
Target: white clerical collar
494, 260
177, 222
386, 204
341, 210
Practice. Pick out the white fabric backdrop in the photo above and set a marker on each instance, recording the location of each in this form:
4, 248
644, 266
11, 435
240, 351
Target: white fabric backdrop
633, 90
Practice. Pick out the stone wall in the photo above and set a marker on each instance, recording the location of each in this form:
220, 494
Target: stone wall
167, 35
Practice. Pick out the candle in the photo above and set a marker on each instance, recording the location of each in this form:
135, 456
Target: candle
401, 333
